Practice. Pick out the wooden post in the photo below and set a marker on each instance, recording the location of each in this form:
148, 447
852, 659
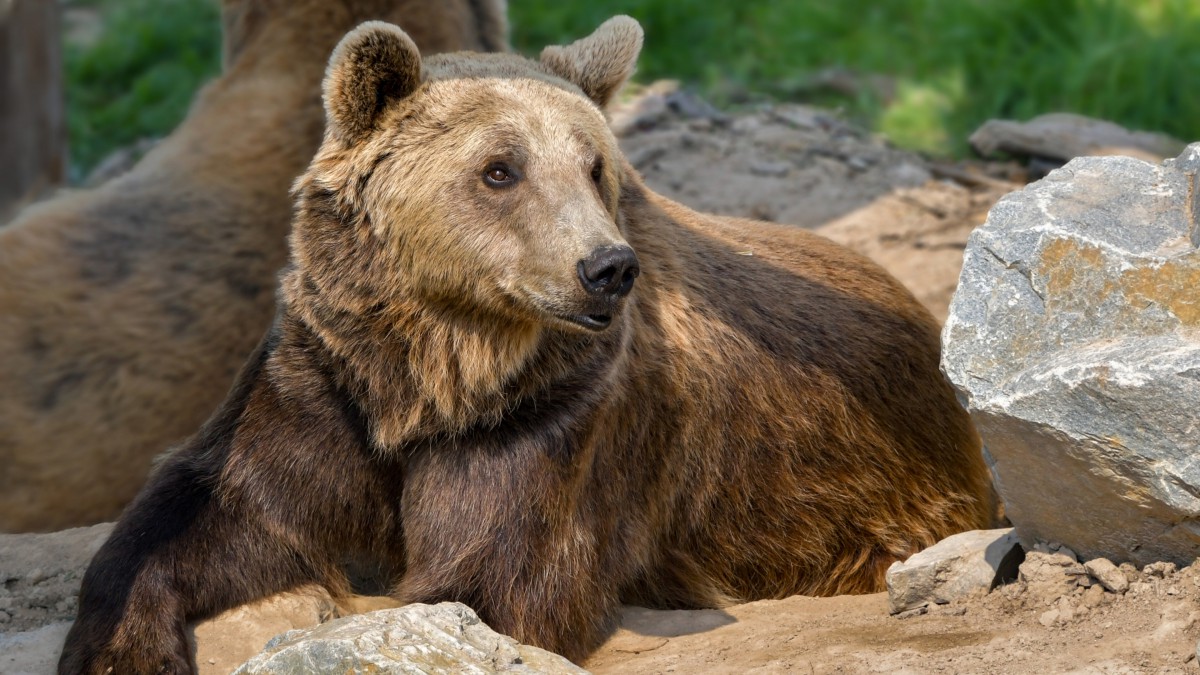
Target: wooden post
33, 147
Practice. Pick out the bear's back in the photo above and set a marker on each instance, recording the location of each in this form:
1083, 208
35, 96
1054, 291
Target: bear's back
816, 375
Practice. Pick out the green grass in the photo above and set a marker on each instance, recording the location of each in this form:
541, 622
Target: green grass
137, 79
928, 71
954, 63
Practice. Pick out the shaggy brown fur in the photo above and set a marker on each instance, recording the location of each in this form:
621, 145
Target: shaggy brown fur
126, 311
764, 415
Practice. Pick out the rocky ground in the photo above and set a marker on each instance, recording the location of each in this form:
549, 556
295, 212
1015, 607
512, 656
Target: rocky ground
1044, 623
802, 166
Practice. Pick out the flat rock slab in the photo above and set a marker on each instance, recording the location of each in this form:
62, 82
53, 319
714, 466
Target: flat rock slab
33, 652
785, 163
40, 575
1074, 340
954, 568
1065, 136
443, 638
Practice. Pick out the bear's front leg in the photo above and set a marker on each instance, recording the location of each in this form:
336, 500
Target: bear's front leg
268, 496
175, 556
505, 531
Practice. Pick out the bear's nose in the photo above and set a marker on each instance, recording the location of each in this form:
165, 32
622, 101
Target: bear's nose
609, 270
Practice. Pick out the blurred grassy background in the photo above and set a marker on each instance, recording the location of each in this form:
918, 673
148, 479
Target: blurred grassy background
923, 72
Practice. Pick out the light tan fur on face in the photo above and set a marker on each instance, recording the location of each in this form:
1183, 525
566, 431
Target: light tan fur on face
125, 311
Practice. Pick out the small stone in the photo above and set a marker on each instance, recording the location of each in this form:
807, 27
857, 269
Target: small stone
910, 613
954, 568
1108, 574
1139, 587
747, 124
1058, 548
1094, 596
5, 617
35, 576
771, 169
858, 163
1048, 618
1131, 573
1042, 568
1159, 570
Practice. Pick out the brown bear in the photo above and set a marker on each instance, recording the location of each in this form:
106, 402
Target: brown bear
126, 311
514, 377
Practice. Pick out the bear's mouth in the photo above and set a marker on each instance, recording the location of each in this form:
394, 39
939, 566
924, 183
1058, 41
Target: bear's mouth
596, 322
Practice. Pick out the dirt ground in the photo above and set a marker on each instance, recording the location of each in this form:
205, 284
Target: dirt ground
1020, 628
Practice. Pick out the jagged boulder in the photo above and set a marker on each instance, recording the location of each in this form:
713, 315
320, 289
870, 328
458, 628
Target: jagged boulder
444, 638
1074, 340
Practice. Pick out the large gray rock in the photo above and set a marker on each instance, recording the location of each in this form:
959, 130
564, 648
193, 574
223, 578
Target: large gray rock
444, 638
954, 568
1074, 340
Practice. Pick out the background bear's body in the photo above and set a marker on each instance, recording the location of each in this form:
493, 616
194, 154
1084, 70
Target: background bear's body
763, 416
126, 311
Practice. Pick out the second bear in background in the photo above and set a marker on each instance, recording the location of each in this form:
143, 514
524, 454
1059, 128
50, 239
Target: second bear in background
126, 311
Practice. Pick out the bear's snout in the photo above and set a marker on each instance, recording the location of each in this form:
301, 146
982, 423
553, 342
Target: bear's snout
608, 272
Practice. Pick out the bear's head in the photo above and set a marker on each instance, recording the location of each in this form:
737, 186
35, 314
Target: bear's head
472, 183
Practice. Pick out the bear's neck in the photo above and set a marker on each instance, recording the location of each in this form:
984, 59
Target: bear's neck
418, 372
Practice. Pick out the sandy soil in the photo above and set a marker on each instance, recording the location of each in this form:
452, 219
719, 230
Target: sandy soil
1025, 627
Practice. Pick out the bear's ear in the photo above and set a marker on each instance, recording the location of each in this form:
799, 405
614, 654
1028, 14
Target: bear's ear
374, 65
601, 62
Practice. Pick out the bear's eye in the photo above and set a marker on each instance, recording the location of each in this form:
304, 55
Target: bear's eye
597, 171
499, 175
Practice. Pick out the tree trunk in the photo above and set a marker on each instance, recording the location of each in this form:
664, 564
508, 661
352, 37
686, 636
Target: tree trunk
33, 157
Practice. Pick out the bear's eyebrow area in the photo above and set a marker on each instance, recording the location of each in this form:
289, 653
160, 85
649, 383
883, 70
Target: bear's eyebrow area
514, 156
